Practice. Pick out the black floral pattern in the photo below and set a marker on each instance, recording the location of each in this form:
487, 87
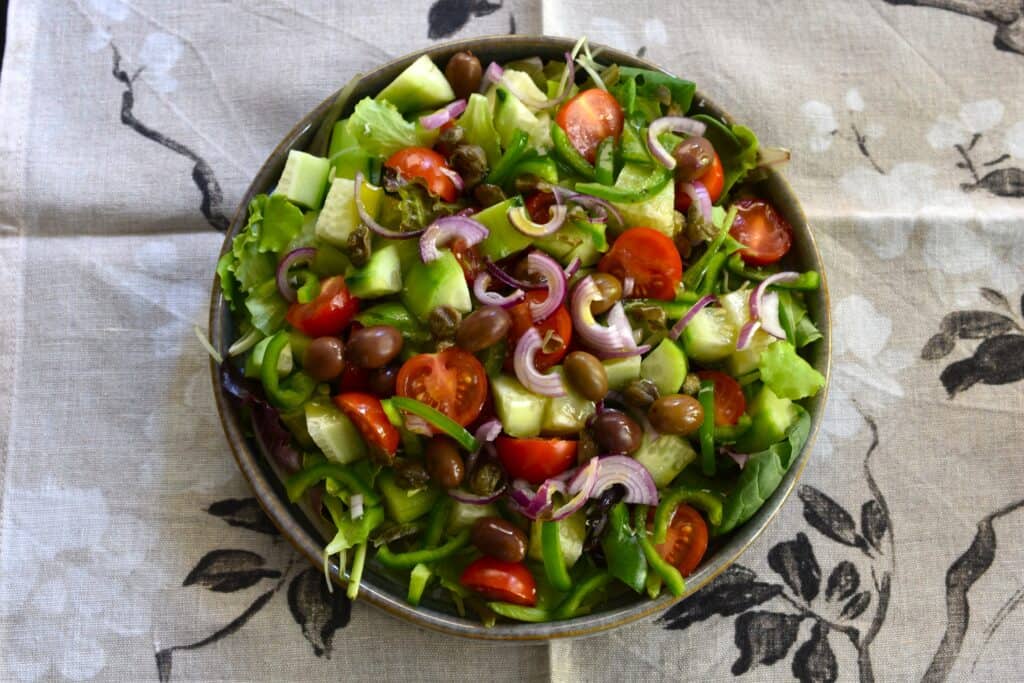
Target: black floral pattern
1007, 181
1006, 15
447, 17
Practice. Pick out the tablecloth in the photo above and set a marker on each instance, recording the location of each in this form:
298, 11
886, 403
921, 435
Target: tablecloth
131, 548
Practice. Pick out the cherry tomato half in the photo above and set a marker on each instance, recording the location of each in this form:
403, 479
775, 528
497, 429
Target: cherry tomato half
729, 401
687, 540
468, 256
713, 180
535, 459
589, 118
498, 580
559, 323
453, 382
650, 258
329, 313
368, 415
762, 230
420, 162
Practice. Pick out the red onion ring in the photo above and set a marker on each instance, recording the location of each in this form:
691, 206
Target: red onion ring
488, 431
443, 115
573, 267
698, 194
552, 272
757, 303
524, 361
673, 124
493, 73
488, 298
299, 256
355, 504
678, 328
622, 469
373, 225
520, 219
499, 274
583, 482
747, 334
454, 177
444, 230
769, 316
464, 496
604, 339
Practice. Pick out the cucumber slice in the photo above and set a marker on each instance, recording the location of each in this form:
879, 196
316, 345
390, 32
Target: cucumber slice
666, 366
521, 411
710, 336
665, 457
335, 434
510, 115
572, 531
421, 86
463, 515
621, 371
657, 212
771, 417
401, 505
382, 275
303, 179
503, 239
737, 312
438, 283
339, 217
576, 239
566, 415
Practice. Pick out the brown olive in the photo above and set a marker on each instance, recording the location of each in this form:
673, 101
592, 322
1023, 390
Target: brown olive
444, 462
464, 72
324, 358
500, 539
410, 474
693, 157
640, 393
374, 347
676, 414
587, 375
381, 382
483, 328
611, 292
616, 432
470, 162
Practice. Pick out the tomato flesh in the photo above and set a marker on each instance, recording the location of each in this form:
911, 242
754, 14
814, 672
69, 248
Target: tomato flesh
328, 314
761, 229
368, 415
538, 205
589, 118
427, 165
498, 580
468, 257
558, 323
730, 403
453, 382
650, 258
535, 459
686, 541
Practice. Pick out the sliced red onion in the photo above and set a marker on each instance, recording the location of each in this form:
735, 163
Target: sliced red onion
698, 194
368, 221
417, 425
464, 496
524, 361
627, 286
443, 115
522, 222
759, 301
493, 73
739, 458
605, 339
573, 267
618, 319
355, 504
544, 498
551, 271
488, 431
443, 230
596, 204
667, 124
769, 316
583, 483
747, 334
772, 156
565, 84
294, 258
489, 298
622, 469
678, 328
496, 270
454, 177
625, 353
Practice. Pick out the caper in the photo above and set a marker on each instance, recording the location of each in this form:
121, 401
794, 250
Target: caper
443, 322
358, 246
641, 393
464, 72
693, 157
410, 474
586, 448
486, 478
691, 385
374, 347
470, 162
444, 462
676, 414
323, 359
616, 432
586, 374
488, 195
483, 328
611, 291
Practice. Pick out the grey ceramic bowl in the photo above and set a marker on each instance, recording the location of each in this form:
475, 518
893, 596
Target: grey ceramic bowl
296, 523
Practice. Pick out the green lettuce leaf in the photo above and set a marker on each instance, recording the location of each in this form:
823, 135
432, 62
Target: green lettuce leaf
418, 208
379, 129
228, 284
252, 266
655, 85
800, 329
345, 154
478, 128
266, 307
282, 221
787, 374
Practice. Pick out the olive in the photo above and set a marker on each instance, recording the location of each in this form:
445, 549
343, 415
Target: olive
374, 347
381, 382
410, 474
324, 358
676, 414
464, 72
500, 539
616, 432
444, 462
587, 375
693, 157
611, 291
641, 393
483, 328
470, 162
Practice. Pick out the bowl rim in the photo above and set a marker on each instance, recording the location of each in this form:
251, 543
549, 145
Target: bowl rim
283, 514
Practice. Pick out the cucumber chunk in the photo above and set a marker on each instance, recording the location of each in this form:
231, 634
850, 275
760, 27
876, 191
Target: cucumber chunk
339, 217
438, 283
401, 505
566, 415
463, 515
572, 531
502, 239
521, 411
771, 417
304, 179
621, 371
421, 86
710, 336
665, 457
666, 366
381, 275
510, 115
656, 212
737, 312
576, 239
335, 434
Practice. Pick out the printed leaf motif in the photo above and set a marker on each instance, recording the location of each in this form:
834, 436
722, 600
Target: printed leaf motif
243, 512
226, 571
842, 582
829, 517
1002, 182
763, 638
794, 561
873, 523
995, 297
815, 662
164, 659
856, 606
977, 324
939, 346
997, 360
318, 611
735, 591
446, 17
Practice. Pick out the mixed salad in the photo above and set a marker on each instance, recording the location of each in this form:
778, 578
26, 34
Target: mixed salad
520, 333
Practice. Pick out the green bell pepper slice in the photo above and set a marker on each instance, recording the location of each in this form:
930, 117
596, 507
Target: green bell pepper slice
437, 419
808, 281
714, 269
355, 575
655, 184
567, 153
706, 396
533, 615
411, 559
702, 499
570, 607
732, 433
398, 316
622, 550
300, 482
669, 574
554, 561
502, 170
435, 524
695, 274
541, 167
309, 289
604, 168
295, 389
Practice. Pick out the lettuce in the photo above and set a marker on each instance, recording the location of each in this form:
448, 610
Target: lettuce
735, 145
282, 221
380, 130
787, 374
266, 307
800, 329
478, 126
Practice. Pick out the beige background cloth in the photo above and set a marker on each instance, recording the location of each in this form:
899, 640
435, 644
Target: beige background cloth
128, 538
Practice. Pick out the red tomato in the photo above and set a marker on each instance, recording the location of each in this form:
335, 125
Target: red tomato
535, 459
367, 413
766, 235
650, 258
468, 257
713, 180
538, 205
420, 162
729, 400
329, 313
559, 322
453, 382
498, 580
589, 118
687, 540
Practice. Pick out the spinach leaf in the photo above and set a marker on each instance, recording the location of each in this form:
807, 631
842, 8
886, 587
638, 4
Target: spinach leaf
654, 85
799, 328
736, 146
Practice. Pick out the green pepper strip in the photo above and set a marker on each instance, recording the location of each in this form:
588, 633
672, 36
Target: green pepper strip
694, 275
298, 483
355, 575
714, 269
411, 559
571, 605
502, 170
656, 182
569, 154
604, 169
702, 499
730, 433
673, 579
532, 615
544, 168
310, 288
554, 561
706, 396
807, 282
437, 419
293, 391
435, 525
